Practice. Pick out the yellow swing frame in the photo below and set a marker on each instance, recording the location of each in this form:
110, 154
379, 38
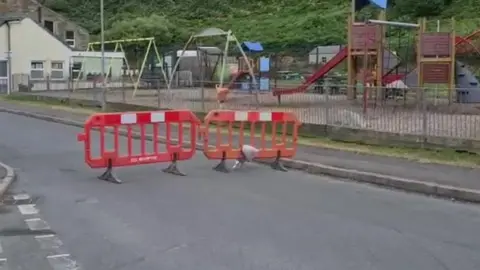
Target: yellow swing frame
119, 48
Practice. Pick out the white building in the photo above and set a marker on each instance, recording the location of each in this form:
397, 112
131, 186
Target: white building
39, 60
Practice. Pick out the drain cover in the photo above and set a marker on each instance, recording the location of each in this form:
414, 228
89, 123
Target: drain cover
17, 199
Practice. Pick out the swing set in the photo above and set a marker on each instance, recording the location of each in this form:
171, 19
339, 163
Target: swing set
222, 88
119, 47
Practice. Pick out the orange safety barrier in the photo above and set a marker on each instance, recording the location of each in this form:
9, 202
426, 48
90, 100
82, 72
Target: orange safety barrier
122, 125
228, 120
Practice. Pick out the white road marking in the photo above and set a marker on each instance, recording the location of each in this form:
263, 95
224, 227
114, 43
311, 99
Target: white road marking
50, 243
37, 224
62, 262
21, 197
3, 264
44, 236
58, 256
28, 209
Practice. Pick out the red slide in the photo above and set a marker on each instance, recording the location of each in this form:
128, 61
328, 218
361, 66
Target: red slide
235, 78
337, 59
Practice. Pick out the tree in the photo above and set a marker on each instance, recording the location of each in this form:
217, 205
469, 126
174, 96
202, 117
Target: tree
155, 26
425, 8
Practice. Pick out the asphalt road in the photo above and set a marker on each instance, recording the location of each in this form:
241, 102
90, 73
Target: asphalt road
251, 219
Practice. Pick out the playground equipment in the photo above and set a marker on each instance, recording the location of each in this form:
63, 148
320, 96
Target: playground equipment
260, 66
221, 88
119, 47
467, 51
370, 46
371, 62
437, 64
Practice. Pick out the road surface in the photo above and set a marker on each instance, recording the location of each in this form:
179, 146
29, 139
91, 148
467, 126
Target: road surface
253, 219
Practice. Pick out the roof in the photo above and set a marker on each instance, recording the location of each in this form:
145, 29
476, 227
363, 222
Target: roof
10, 17
210, 50
326, 49
252, 46
210, 32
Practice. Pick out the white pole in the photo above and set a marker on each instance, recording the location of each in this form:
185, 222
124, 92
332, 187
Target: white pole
9, 72
102, 45
436, 87
401, 24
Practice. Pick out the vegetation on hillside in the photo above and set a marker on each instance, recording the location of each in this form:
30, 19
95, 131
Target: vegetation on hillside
278, 24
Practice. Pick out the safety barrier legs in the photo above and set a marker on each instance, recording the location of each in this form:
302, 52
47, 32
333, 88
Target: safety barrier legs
222, 165
108, 175
277, 164
173, 168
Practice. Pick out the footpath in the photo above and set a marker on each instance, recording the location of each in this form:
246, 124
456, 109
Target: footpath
7, 176
433, 179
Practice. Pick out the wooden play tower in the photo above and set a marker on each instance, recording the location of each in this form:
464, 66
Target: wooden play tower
365, 42
435, 56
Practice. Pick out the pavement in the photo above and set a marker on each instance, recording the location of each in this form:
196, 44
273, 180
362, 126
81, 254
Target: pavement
433, 179
7, 176
256, 218
3, 172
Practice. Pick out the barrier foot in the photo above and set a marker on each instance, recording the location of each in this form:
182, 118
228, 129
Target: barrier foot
108, 174
277, 165
222, 166
173, 168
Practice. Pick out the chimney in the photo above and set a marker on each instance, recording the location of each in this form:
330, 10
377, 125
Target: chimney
23, 5
39, 14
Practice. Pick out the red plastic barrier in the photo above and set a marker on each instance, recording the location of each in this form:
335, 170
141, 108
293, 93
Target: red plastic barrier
227, 121
122, 125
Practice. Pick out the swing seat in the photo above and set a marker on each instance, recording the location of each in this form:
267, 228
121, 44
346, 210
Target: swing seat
222, 93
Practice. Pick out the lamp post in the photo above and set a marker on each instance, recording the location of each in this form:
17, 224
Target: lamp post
102, 67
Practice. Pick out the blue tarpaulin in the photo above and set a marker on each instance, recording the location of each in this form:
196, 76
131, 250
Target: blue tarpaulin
252, 46
359, 4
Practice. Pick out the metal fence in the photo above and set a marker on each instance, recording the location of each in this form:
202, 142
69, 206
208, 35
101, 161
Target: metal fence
424, 112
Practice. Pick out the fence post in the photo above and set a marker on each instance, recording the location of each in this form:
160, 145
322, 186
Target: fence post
159, 92
124, 98
202, 81
48, 82
424, 119
326, 92
69, 89
69, 86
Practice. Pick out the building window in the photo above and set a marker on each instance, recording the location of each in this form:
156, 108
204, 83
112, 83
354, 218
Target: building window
75, 71
3, 69
49, 25
324, 59
37, 70
70, 38
57, 70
